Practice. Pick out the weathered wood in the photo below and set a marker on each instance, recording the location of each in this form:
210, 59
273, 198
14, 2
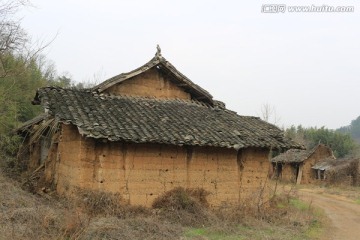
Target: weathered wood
38, 169
298, 180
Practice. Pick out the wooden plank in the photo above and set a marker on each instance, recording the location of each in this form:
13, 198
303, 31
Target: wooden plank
299, 176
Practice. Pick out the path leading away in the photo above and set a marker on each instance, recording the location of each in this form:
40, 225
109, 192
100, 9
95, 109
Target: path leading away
343, 213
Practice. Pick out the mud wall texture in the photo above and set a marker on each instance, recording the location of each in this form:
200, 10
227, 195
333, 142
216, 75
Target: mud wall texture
141, 172
149, 84
308, 175
288, 173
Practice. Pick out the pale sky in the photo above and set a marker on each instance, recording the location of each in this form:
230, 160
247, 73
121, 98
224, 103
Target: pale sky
305, 65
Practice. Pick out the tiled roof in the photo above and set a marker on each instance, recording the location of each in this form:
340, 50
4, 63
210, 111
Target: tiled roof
292, 155
331, 163
296, 155
151, 120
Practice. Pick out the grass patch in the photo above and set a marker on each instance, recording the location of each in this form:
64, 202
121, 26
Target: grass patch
357, 201
315, 230
211, 234
194, 232
257, 231
298, 204
317, 225
281, 205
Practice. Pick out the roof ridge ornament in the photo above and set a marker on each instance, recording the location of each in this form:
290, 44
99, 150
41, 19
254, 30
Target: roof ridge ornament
158, 51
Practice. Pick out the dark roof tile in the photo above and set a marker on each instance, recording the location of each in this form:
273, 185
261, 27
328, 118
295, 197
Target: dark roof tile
169, 121
297, 155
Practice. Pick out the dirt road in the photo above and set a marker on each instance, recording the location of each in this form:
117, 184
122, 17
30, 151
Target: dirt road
343, 213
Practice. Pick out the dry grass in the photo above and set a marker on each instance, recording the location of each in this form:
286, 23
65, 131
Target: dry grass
286, 218
187, 207
26, 216
107, 204
349, 192
91, 216
345, 191
132, 228
178, 214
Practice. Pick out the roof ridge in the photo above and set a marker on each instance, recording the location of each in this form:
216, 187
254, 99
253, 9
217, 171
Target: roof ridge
124, 96
157, 60
67, 88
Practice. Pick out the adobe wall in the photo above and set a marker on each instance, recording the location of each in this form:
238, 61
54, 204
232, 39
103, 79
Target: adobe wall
149, 84
288, 173
141, 172
254, 170
320, 153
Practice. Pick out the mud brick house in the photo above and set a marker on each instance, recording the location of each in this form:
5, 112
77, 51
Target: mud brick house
342, 171
145, 132
296, 165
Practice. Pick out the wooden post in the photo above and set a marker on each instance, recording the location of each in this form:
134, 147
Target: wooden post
299, 176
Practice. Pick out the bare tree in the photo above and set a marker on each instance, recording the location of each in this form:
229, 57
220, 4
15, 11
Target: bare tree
268, 114
13, 39
12, 36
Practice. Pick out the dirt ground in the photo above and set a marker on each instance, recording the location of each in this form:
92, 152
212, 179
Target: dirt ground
343, 213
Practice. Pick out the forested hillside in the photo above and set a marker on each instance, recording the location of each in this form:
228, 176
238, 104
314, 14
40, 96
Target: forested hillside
353, 129
23, 69
341, 143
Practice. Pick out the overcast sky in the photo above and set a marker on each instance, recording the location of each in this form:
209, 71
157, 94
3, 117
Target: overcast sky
305, 65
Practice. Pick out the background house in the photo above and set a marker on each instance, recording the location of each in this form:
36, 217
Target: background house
296, 165
343, 171
145, 132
